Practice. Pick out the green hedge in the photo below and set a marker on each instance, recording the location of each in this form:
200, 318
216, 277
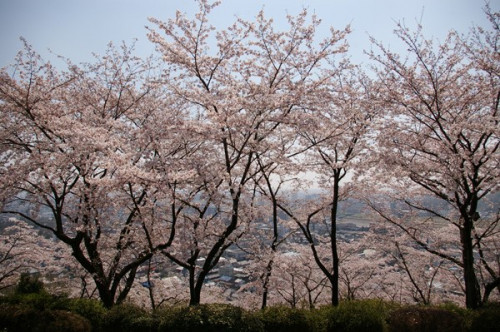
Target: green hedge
426, 319
127, 318
360, 316
24, 318
207, 317
91, 309
39, 301
487, 319
285, 319
44, 312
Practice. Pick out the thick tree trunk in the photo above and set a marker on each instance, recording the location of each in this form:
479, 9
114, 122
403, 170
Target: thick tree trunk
194, 293
195, 297
472, 290
107, 298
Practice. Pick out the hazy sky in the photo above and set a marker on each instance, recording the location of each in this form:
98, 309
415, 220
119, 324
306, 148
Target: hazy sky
76, 28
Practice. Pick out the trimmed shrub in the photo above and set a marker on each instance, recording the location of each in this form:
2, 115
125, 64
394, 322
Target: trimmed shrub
422, 319
124, 317
319, 318
359, 316
207, 317
282, 318
39, 301
487, 319
251, 323
23, 318
144, 324
91, 309
59, 320
466, 314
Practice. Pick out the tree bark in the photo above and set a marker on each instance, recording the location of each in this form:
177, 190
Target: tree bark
472, 290
265, 284
333, 240
195, 296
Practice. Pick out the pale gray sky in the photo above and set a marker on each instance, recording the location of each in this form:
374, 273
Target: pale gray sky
76, 28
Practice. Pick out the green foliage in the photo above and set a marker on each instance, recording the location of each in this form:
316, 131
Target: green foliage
127, 318
29, 284
39, 301
59, 320
466, 314
91, 309
18, 317
44, 312
251, 323
286, 319
143, 323
487, 319
207, 317
426, 319
318, 318
365, 315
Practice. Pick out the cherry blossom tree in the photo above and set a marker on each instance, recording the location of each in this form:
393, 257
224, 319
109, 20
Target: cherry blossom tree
76, 148
124, 161
276, 171
243, 87
441, 140
334, 136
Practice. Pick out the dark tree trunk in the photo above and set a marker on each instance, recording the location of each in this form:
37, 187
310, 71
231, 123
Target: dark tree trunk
265, 283
194, 294
150, 287
195, 297
472, 290
196, 284
106, 296
333, 240
274, 245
